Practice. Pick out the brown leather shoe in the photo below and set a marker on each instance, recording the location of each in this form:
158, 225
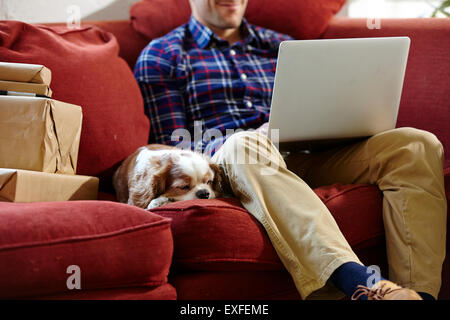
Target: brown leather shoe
385, 290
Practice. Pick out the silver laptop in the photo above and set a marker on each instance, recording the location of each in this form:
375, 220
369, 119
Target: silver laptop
328, 92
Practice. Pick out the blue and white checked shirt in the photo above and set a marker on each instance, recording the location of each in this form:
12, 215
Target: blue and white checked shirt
190, 76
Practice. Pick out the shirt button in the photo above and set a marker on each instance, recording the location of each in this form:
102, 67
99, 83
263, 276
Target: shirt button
243, 76
232, 52
249, 104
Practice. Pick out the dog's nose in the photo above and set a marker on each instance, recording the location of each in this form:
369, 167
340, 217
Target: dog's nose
202, 194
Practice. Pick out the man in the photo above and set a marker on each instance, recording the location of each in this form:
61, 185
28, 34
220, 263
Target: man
218, 70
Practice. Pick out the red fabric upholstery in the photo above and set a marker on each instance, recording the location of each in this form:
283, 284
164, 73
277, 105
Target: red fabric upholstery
163, 292
115, 245
124, 33
303, 19
244, 285
150, 18
130, 42
87, 71
239, 285
357, 210
426, 96
219, 235
234, 254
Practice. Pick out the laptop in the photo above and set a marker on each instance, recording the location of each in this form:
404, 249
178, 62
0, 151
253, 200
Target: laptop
337, 91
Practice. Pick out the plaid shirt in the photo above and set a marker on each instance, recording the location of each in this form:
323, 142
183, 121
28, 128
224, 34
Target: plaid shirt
191, 77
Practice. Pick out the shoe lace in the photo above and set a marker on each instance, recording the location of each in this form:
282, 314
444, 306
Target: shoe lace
374, 293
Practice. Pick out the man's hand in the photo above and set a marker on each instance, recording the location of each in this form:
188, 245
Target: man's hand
264, 129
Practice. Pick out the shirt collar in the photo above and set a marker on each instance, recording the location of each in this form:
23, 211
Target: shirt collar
204, 35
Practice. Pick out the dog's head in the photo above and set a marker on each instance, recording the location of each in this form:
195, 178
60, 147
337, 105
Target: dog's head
188, 176
175, 174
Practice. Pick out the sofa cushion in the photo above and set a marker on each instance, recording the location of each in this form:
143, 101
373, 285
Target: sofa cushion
238, 285
151, 18
302, 19
130, 42
357, 210
220, 235
86, 71
163, 292
254, 285
114, 245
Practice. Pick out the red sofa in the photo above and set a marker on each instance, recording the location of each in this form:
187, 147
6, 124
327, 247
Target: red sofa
202, 249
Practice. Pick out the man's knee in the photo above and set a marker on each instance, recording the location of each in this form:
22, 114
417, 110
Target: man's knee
240, 140
420, 142
249, 147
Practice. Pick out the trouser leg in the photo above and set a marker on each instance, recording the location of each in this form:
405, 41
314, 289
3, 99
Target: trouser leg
302, 230
407, 166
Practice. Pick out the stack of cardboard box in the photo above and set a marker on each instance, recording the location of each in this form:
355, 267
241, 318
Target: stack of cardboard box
39, 140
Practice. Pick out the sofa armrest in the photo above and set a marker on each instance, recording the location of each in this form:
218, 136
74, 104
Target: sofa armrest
425, 102
113, 245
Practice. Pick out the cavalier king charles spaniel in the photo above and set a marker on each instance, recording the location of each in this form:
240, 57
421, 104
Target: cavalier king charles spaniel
155, 175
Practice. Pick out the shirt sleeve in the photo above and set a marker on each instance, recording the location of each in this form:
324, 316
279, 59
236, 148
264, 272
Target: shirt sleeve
163, 94
155, 72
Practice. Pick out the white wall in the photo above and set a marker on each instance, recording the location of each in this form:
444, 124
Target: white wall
392, 8
35, 11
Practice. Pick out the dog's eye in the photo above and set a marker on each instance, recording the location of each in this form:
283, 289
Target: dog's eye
210, 182
186, 187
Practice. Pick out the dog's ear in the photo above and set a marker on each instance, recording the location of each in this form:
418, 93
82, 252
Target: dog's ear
221, 186
120, 182
151, 184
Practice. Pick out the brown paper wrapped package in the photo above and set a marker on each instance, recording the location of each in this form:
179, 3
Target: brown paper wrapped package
23, 72
26, 87
39, 134
32, 186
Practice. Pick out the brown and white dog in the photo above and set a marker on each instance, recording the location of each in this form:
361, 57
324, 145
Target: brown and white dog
155, 175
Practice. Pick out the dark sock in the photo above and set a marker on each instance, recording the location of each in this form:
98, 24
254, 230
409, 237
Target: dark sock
351, 274
426, 296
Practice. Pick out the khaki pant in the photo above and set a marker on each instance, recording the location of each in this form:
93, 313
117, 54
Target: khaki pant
407, 166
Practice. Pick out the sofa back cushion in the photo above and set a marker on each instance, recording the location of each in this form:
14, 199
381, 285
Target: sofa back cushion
302, 19
86, 71
220, 235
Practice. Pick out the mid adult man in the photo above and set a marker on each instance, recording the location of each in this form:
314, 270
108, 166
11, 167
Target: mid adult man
218, 70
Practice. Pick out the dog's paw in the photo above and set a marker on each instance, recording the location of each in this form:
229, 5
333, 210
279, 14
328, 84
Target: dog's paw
158, 202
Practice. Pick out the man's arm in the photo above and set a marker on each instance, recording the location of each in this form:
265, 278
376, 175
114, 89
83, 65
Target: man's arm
155, 72
164, 96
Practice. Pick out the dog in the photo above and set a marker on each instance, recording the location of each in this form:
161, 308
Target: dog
155, 175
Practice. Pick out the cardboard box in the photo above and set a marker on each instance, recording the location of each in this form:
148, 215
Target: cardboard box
32, 186
39, 134
36, 88
24, 72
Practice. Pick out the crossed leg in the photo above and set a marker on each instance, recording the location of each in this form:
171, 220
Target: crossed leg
406, 164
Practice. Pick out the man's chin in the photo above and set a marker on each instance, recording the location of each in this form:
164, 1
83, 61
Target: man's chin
232, 23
